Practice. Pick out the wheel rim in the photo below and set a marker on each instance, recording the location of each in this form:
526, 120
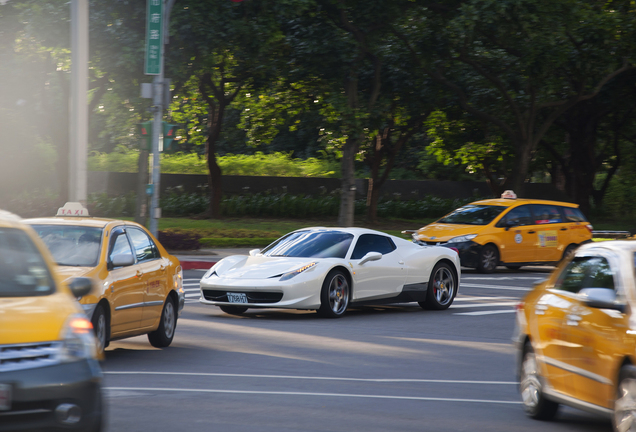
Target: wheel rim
489, 259
100, 331
168, 319
443, 286
530, 382
338, 294
625, 406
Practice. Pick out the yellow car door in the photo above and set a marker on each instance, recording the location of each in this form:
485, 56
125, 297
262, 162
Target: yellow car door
518, 235
126, 284
155, 269
551, 232
594, 342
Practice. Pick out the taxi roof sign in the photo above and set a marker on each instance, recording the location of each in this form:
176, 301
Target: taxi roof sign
509, 194
72, 209
7, 215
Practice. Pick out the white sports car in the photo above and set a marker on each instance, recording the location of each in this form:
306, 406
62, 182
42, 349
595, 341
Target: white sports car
330, 269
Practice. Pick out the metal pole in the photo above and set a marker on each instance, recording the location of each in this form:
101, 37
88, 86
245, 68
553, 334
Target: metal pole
78, 148
155, 212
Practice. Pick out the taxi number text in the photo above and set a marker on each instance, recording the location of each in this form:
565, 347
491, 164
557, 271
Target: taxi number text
236, 297
5, 397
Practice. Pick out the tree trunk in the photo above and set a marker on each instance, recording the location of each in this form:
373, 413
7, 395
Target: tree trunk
348, 183
215, 182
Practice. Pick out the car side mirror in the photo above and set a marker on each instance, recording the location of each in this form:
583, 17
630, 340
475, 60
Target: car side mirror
254, 252
371, 256
122, 260
601, 298
80, 286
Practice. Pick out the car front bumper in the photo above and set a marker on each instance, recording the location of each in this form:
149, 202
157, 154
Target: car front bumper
53, 397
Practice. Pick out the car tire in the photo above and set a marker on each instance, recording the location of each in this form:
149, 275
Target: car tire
513, 267
162, 337
569, 251
488, 259
334, 295
534, 402
233, 310
625, 399
100, 327
442, 288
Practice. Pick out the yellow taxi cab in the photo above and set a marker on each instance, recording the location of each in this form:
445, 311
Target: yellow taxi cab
138, 286
575, 335
50, 375
509, 231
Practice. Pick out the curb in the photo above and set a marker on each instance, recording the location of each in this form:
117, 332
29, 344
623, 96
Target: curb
197, 265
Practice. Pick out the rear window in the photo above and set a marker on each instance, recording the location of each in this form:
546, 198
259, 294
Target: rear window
573, 215
23, 271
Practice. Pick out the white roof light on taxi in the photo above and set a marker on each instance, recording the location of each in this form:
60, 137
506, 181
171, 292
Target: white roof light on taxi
509, 194
73, 209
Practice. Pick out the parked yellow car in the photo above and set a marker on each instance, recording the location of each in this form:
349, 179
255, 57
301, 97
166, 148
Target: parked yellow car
509, 231
575, 335
49, 370
138, 286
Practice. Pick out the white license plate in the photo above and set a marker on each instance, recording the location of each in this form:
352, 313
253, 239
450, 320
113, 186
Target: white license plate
236, 297
5, 397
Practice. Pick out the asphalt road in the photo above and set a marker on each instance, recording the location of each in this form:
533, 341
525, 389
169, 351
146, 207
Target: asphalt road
396, 368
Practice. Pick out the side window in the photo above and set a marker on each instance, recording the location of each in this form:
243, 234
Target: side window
145, 248
372, 243
518, 216
546, 214
586, 272
573, 215
119, 245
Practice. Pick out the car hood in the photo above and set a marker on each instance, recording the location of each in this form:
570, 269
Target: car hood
440, 232
259, 267
34, 319
67, 272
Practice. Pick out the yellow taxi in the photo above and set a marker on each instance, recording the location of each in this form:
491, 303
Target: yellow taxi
509, 231
575, 335
50, 375
138, 286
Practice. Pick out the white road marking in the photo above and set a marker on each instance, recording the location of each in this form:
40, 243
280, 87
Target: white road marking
493, 312
473, 298
212, 374
499, 287
363, 396
502, 278
483, 305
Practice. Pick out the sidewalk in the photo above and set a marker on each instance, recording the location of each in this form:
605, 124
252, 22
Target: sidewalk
203, 259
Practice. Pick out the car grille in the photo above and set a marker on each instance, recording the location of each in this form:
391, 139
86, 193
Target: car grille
252, 297
29, 356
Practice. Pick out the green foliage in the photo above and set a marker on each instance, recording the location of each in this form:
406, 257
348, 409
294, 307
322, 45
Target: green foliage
177, 239
101, 205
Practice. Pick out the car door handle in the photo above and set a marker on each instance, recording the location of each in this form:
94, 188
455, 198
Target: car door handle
139, 274
162, 267
531, 232
401, 262
564, 229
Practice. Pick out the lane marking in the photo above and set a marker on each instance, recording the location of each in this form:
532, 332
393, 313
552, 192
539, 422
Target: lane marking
498, 287
493, 312
503, 277
280, 393
378, 380
472, 305
473, 298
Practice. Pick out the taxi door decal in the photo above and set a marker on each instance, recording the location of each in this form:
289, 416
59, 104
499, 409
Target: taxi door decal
548, 238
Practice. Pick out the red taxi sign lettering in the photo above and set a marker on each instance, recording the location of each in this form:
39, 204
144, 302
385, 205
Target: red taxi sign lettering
509, 195
73, 209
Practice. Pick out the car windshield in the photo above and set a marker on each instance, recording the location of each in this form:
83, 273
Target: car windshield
72, 245
473, 215
23, 271
311, 244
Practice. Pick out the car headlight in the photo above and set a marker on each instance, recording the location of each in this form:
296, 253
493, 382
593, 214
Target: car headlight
78, 340
463, 238
296, 272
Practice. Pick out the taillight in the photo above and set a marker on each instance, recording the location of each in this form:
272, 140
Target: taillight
589, 227
455, 249
519, 307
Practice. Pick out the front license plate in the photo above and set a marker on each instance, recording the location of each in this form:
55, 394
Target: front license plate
5, 397
236, 297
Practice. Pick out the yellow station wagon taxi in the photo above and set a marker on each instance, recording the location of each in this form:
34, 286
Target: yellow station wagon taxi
509, 231
49, 368
575, 335
138, 286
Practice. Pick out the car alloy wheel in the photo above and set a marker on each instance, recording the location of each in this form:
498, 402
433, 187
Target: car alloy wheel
334, 295
488, 259
625, 405
531, 388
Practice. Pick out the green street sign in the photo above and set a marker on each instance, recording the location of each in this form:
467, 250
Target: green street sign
154, 37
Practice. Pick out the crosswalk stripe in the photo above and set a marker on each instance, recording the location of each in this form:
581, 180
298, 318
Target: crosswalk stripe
497, 287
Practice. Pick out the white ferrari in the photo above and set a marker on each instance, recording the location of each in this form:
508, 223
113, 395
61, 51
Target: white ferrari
331, 269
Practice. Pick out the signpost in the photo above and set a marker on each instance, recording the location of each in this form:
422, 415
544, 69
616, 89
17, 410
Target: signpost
154, 38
